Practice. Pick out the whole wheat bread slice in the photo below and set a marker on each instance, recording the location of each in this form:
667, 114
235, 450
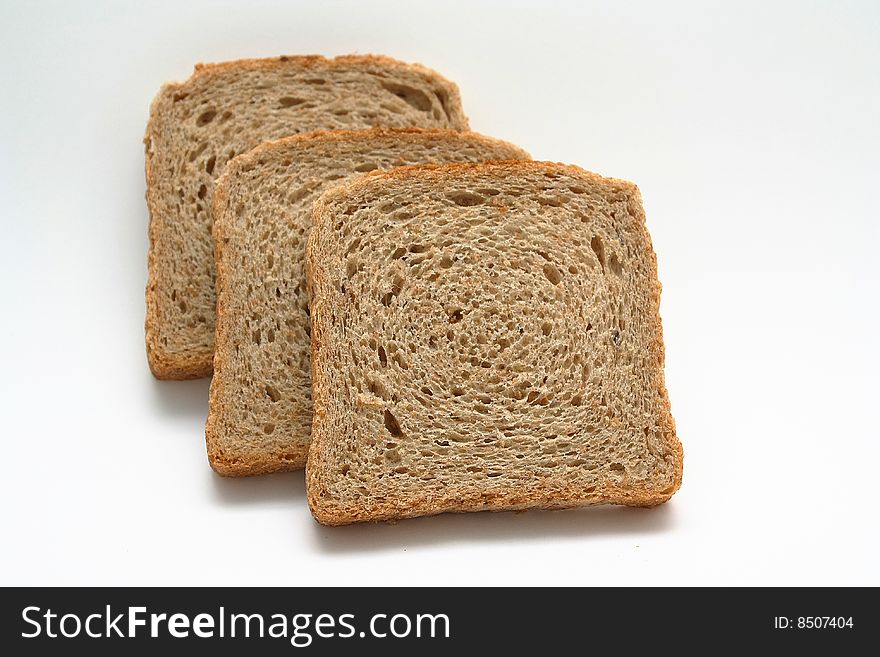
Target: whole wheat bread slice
260, 409
196, 126
485, 337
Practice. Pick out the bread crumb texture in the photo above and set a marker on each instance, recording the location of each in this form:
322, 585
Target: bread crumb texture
223, 110
260, 410
485, 337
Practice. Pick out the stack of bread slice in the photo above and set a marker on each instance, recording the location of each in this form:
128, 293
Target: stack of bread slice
419, 315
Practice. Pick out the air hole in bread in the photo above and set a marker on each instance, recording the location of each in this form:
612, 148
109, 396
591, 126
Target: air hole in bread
413, 97
397, 284
268, 428
201, 149
615, 266
290, 101
206, 117
377, 388
552, 273
209, 165
366, 166
351, 266
443, 97
383, 357
388, 207
546, 328
576, 400
272, 393
445, 261
391, 424
599, 250
203, 191
455, 316
465, 199
401, 361
298, 194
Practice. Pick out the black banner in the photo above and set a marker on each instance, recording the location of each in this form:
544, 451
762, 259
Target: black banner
434, 621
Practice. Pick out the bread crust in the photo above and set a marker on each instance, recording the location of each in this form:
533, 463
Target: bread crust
197, 362
543, 495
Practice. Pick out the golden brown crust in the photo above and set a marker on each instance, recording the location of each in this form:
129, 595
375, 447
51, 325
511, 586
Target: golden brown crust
202, 70
368, 134
333, 514
347, 188
179, 367
328, 511
234, 466
196, 363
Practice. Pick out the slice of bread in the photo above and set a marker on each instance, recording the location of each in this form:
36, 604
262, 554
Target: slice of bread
196, 126
485, 337
260, 409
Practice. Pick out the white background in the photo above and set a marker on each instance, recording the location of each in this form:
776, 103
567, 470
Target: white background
753, 129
